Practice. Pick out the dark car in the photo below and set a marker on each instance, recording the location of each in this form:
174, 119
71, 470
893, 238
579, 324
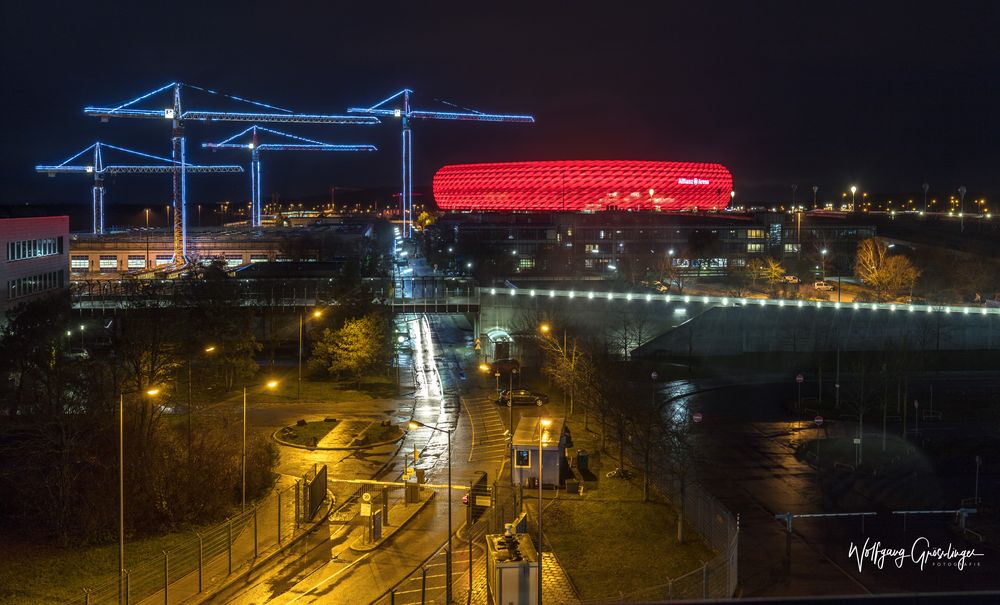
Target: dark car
505, 365
522, 397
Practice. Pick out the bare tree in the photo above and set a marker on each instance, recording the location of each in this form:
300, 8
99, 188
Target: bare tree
886, 275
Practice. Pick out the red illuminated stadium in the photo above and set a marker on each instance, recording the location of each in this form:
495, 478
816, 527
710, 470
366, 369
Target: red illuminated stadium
590, 185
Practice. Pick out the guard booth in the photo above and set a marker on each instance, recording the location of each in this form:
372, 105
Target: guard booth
555, 439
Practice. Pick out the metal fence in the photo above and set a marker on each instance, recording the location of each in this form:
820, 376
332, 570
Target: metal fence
427, 583
210, 557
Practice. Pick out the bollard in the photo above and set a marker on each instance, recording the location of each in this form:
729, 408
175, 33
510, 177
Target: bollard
166, 578
279, 518
392, 597
255, 532
229, 544
201, 561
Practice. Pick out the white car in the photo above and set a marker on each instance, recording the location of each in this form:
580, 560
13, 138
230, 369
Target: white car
824, 286
791, 279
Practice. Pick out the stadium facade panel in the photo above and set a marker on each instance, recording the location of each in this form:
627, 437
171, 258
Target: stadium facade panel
583, 185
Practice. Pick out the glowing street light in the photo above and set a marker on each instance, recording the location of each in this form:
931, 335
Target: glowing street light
854, 190
271, 384
150, 392
316, 314
543, 424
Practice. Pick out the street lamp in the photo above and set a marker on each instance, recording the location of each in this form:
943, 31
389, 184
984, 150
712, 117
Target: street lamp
854, 190
543, 424
822, 255
151, 392
271, 384
961, 207
316, 314
815, 189
207, 351
414, 424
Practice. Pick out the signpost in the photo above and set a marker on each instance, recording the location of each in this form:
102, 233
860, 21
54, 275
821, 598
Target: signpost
818, 420
799, 379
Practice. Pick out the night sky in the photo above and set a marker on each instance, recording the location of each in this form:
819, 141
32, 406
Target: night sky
887, 95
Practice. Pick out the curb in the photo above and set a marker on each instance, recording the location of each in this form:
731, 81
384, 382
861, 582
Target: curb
347, 448
396, 528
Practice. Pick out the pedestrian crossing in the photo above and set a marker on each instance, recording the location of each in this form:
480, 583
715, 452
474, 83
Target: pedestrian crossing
489, 433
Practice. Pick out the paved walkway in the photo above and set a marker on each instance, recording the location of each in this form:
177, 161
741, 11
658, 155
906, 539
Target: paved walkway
344, 433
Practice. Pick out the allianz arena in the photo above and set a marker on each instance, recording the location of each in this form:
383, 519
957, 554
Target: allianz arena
583, 185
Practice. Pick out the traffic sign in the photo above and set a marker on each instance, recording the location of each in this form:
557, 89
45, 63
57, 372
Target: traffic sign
697, 417
366, 509
478, 347
654, 375
800, 379
818, 420
367, 497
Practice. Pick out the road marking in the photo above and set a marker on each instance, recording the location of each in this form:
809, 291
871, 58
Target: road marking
331, 576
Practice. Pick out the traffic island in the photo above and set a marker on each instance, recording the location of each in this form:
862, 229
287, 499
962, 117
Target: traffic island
335, 435
399, 515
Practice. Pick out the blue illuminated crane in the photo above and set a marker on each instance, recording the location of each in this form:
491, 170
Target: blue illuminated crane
402, 110
179, 118
99, 169
255, 147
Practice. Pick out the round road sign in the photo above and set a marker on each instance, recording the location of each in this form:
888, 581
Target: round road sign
818, 420
367, 497
697, 417
800, 379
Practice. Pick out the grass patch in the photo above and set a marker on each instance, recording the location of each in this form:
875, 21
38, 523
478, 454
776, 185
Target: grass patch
33, 572
636, 539
326, 391
309, 434
378, 432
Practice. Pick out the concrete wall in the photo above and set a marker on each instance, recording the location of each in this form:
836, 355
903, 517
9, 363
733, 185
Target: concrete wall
738, 330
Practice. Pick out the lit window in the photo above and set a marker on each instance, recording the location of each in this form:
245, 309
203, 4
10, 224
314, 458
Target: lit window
163, 259
79, 264
136, 262
108, 263
755, 247
792, 248
234, 260
755, 233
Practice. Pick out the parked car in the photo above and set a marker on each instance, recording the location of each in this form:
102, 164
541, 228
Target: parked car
824, 286
522, 397
505, 365
791, 279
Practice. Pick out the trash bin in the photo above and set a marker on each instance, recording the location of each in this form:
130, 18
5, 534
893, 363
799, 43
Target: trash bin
582, 461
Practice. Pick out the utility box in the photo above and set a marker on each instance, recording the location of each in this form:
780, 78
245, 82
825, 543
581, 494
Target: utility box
412, 492
511, 569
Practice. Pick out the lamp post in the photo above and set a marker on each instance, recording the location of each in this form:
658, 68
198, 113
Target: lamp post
271, 384
732, 198
854, 190
152, 392
543, 423
316, 314
414, 424
961, 207
497, 374
925, 187
815, 189
822, 256
208, 351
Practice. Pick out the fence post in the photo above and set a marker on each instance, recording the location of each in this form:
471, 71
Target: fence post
704, 579
392, 597
255, 532
297, 482
279, 518
166, 578
229, 544
127, 586
423, 585
201, 560
86, 597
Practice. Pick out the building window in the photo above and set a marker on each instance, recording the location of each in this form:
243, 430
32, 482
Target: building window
258, 258
33, 248
755, 247
234, 260
592, 248
526, 263
755, 234
792, 248
136, 262
79, 264
24, 286
163, 259
108, 263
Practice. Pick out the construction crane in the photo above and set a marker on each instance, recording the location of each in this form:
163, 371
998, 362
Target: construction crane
100, 169
179, 118
402, 110
256, 147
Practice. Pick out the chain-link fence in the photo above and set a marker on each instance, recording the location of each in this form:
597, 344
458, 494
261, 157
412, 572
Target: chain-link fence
209, 557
